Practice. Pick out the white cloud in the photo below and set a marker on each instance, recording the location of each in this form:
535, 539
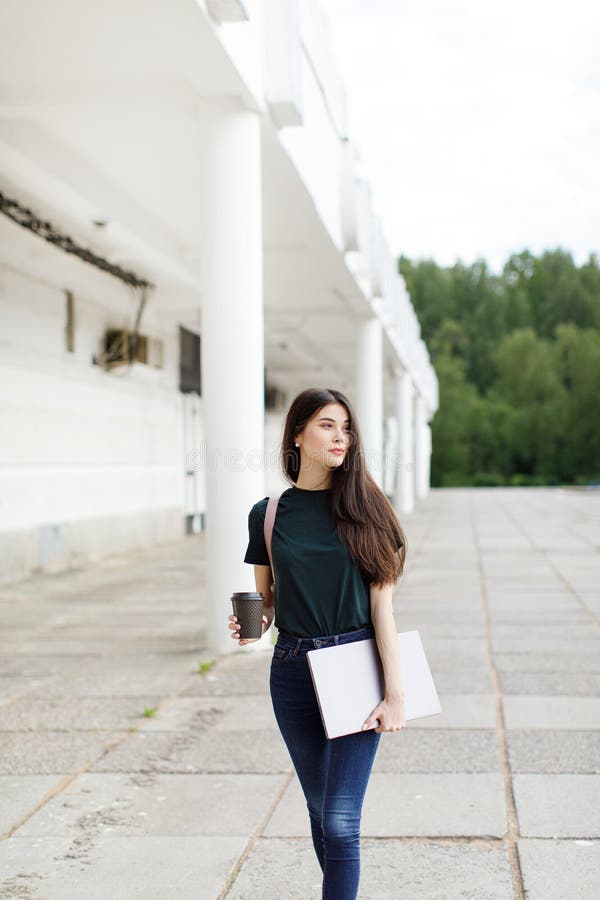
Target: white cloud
478, 123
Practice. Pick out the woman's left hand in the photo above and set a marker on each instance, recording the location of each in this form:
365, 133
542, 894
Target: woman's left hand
390, 714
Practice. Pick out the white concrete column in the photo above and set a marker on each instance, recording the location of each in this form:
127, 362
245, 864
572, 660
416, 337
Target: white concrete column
422, 448
390, 452
404, 487
232, 359
369, 393
427, 463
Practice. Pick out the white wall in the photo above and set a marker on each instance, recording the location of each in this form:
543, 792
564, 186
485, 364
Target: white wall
79, 444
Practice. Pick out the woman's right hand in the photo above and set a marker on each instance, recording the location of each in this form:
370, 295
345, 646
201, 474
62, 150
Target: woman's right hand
235, 627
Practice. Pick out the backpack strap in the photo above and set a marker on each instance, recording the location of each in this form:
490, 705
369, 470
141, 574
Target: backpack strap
269, 523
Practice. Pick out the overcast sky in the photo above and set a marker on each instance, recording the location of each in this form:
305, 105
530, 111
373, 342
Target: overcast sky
477, 122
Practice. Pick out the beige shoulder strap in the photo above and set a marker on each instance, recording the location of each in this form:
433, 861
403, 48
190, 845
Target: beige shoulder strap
269, 523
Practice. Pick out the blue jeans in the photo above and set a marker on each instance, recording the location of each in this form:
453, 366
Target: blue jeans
333, 773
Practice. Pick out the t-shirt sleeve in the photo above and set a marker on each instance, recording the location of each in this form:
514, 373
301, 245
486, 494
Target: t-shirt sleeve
257, 552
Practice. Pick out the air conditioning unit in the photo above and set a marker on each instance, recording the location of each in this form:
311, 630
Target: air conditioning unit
149, 351
121, 347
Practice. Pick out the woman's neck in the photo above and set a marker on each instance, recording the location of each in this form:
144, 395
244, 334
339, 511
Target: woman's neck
312, 482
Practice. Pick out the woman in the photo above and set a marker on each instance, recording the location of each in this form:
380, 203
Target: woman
338, 549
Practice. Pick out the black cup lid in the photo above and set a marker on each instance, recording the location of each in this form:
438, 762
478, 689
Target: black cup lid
248, 595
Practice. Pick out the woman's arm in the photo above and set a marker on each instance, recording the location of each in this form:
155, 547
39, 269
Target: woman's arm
264, 579
390, 711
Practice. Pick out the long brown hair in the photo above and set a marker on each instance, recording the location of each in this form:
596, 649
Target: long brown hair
364, 517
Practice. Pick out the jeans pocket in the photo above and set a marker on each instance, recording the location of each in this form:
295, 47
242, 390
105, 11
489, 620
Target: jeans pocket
281, 653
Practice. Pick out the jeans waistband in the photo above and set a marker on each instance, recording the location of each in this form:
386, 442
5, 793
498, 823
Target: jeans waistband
310, 643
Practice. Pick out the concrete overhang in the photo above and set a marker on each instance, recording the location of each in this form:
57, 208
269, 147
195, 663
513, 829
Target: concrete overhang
103, 117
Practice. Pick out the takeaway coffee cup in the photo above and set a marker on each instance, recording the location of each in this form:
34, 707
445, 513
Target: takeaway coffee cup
248, 607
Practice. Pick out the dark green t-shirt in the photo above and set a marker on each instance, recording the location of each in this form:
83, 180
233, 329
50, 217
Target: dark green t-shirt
319, 589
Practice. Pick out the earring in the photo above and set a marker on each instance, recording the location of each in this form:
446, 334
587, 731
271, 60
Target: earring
296, 445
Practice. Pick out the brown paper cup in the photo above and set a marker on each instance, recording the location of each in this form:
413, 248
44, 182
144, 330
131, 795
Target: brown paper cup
248, 607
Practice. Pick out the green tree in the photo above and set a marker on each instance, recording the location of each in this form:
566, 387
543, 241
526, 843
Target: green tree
577, 362
518, 361
529, 382
429, 288
452, 424
558, 293
516, 274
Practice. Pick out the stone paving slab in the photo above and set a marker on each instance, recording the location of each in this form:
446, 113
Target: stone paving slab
556, 629
440, 591
252, 712
51, 752
117, 868
573, 684
20, 794
446, 659
124, 804
53, 648
559, 869
459, 711
390, 870
440, 600
554, 751
538, 644
83, 634
529, 619
434, 813
585, 585
551, 662
558, 805
38, 666
536, 607
279, 868
61, 714
18, 685
552, 712
519, 589
438, 750
463, 680
167, 648
466, 651
458, 619
224, 684
521, 581
127, 680
206, 751
437, 631
429, 805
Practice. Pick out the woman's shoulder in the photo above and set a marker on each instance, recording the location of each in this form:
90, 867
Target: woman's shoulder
260, 507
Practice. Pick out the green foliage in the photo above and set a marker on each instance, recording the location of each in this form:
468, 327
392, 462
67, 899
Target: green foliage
204, 667
517, 356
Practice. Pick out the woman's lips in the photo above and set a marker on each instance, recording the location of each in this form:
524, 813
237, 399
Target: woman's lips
339, 452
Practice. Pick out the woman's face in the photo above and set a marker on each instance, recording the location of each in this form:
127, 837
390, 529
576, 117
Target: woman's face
327, 432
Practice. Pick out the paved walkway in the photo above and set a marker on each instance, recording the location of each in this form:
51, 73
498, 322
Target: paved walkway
496, 798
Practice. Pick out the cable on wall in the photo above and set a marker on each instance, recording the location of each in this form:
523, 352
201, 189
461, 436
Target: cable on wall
27, 219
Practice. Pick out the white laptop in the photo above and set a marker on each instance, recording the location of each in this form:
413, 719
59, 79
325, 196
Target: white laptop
349, 684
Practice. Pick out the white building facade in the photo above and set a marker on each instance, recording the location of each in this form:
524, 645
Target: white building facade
199, 149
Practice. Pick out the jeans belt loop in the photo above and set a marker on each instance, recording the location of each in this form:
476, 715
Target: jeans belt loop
296, 649
336, 638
